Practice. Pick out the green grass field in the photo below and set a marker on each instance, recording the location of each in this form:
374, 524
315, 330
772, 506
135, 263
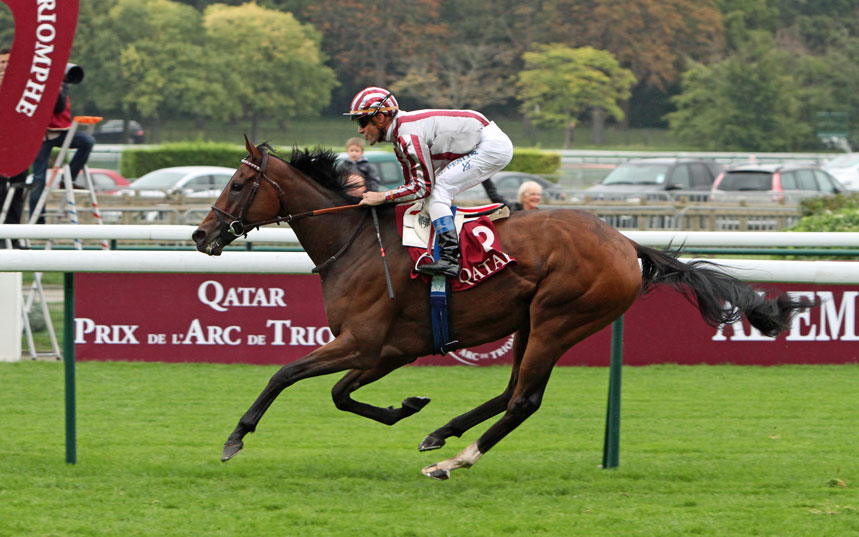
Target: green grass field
720, 451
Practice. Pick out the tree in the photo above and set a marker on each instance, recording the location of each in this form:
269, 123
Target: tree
559, 84
367, 40
459, 76
650, 37
748, 102
275, 60
149, 59
7, 26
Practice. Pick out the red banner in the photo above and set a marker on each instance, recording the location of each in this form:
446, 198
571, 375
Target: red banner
273, 319
44, 31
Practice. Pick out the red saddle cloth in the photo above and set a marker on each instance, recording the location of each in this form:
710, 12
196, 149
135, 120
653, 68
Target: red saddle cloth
480, 252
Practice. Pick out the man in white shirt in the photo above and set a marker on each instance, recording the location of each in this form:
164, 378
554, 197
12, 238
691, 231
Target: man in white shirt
442, 152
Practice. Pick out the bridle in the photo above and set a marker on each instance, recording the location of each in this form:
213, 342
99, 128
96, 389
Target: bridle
235, 224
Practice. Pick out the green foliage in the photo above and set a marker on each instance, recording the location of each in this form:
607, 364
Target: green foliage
830, 213
138, 161
560, 83
705, 451
275, 64
747, 102
535, 161
844, 220
829, 204
7, 27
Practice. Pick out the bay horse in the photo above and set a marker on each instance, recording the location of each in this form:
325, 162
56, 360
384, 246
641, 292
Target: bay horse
574, 274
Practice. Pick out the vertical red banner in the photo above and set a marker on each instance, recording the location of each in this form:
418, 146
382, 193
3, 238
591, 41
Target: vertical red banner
44, 32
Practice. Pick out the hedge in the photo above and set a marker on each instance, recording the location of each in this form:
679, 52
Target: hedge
139, 161
829, 213
536, 162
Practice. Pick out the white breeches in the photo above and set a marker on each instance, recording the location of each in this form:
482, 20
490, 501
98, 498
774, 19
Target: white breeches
492, 154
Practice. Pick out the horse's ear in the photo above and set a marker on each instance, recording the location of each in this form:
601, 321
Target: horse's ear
252, 150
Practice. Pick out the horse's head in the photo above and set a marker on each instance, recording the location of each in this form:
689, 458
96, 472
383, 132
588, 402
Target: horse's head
250, 199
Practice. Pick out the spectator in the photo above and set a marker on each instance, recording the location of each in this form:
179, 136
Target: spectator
16, 206
530, 194
360, 166
357, 185
492, 192
61, 122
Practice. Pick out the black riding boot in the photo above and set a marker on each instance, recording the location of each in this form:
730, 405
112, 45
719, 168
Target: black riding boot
448, 259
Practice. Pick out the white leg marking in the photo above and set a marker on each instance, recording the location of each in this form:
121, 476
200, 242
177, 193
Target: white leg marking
466, 459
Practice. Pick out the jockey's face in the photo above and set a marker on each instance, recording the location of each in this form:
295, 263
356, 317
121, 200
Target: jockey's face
372, 131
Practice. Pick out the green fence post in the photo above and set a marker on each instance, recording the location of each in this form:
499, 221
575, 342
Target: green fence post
69, 361
611, 444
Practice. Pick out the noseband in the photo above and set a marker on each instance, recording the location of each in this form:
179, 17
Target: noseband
235, 224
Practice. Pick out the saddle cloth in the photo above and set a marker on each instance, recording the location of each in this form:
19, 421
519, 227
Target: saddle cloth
416, 226
479, 247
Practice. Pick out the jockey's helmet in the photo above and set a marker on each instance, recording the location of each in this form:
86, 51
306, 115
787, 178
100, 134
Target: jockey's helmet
371, 101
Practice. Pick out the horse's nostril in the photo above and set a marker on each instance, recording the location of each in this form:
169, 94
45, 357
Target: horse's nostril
198, 235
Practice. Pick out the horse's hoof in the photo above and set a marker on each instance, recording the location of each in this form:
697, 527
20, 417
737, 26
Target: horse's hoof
436, 473
430, 443
416, 403
230, 450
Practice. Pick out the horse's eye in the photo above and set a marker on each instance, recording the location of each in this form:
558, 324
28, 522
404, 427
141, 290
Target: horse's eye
235, 187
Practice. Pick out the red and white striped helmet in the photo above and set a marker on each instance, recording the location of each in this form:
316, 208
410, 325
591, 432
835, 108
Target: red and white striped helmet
371, 101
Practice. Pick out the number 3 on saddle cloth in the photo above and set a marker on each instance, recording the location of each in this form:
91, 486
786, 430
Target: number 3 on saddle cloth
480, 253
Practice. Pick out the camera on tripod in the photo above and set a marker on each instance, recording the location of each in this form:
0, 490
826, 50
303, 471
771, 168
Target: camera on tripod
74, 74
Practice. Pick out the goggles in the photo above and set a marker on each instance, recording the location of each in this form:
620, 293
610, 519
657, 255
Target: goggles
364, 120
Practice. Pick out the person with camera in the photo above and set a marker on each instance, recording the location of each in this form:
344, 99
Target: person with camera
55, 136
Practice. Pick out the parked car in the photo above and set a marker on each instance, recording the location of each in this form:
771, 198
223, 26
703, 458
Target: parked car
111, 132
778, 180
845, 168
507, 184
104, 181
635, 178
191, 181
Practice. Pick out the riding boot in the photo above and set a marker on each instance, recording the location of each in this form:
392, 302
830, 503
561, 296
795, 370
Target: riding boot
448, 243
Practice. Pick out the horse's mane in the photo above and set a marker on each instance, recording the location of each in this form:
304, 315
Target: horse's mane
320, 165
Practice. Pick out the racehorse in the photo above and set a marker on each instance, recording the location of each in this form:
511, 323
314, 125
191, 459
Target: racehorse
573, 275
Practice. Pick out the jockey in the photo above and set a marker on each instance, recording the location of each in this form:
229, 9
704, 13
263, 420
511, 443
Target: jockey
442, 152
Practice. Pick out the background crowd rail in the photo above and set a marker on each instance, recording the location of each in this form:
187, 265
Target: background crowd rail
284, 235
831, 272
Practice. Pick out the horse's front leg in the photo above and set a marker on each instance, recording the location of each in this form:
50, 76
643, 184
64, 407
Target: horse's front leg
356, 379
338, 355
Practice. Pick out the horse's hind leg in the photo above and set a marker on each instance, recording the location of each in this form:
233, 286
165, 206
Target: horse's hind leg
523, 403
542, 352
458, 425
358, 378
330, 358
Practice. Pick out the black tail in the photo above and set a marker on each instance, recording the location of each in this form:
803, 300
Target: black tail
720, 298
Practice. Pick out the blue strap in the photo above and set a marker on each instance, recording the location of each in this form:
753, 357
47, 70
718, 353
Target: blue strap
439, 290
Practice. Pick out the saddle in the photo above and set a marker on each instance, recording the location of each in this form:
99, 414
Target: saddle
417, 224
480, 250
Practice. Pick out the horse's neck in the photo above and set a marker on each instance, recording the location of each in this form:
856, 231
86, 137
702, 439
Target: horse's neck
328, 235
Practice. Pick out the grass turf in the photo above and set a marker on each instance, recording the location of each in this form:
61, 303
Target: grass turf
721, 451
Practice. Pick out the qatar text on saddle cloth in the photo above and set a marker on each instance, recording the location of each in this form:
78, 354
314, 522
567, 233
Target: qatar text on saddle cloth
480, 251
